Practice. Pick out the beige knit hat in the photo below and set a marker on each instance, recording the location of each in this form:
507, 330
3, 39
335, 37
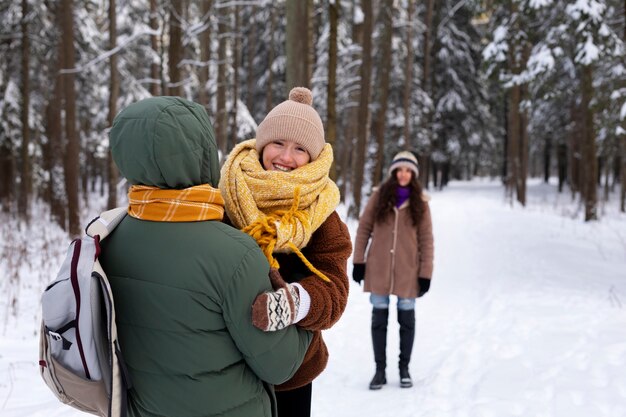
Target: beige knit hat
405, 159
295, 120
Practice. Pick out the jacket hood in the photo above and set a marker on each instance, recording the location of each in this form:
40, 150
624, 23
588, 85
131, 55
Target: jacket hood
165, 142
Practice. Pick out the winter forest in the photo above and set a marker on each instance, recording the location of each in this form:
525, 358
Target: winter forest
511, 89
516, 110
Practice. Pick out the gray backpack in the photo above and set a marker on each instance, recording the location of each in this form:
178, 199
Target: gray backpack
79, 354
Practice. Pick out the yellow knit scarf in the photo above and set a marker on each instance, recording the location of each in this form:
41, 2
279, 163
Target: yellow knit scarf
201, 202
280, 210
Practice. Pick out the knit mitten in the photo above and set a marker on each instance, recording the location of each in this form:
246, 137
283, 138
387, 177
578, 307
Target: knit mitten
278, 309
424, 284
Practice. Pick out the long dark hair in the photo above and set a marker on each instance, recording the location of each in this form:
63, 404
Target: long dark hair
388, 197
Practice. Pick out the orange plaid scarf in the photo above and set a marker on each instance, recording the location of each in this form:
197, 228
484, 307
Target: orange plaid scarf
198, 203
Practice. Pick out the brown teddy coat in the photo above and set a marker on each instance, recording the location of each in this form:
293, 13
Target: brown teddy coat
398, 253
328, 250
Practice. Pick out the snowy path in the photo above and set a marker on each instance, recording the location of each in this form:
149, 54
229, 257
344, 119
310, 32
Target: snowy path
526, 317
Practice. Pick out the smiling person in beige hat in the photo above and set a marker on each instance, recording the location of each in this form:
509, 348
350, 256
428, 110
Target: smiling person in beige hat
399, 259
277, 189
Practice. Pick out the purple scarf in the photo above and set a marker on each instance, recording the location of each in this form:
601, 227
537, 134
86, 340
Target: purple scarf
402, 194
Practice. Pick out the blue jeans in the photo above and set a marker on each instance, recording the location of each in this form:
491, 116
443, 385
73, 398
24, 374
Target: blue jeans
382, 301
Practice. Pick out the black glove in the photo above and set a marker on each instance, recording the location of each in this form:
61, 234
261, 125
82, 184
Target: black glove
424, 284
358, 273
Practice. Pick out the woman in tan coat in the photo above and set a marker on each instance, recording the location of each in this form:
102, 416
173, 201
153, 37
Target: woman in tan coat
397, 225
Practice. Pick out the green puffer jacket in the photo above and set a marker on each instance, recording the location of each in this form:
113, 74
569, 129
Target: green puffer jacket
183, 291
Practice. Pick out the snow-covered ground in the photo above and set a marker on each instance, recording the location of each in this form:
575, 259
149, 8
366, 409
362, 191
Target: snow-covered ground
526, 316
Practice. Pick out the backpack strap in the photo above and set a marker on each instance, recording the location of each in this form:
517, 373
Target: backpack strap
106, 222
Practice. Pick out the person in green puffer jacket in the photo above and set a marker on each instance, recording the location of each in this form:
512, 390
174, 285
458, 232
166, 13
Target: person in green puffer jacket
183, 281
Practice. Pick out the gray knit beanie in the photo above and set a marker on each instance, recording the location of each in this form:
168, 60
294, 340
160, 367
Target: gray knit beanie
405, 159
294, 120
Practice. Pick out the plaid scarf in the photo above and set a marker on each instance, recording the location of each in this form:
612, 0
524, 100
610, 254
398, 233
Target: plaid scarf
197, 203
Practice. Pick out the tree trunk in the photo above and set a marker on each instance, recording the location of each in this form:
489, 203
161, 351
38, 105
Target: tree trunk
513, 129
205, 54
331, 112
72, 146
7, 176
573, 156
523, 135
589, 159
221, 120
269, 96
428, 88
175, 55
428, 22
236, 60
114, 87
379, 123
562, 164
23, 202
607, 176
363, 120
514, 139
297, 44
622, 205
155, 73
623, 181
253, 33
408, 76
53, 151
547, 154
347, 158
522, 173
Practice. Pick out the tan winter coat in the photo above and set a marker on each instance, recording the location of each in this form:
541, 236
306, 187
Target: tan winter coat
398, 252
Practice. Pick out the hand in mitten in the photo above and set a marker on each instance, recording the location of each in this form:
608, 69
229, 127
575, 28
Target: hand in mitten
424, 284
358, 273
278, 309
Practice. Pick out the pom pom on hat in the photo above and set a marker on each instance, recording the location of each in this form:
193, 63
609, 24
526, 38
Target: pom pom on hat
301, 95
404, 159
293, 120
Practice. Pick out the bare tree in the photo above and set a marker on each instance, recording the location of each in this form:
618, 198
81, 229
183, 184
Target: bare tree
331, 93
623, 180
623, 151
23, 201
429, 89
363, 123
253, 33
69, 94
384, 70
573, 155
7, 173
221, 120
205, 53
175, 49
589, 158
155, 68
297, 43
517, 128
408, 75
523, 134
236, 64
347, 157
114, 87
269, 101
52, 148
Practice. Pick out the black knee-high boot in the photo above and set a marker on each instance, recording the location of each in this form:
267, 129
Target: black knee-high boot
379, 341
406, 319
